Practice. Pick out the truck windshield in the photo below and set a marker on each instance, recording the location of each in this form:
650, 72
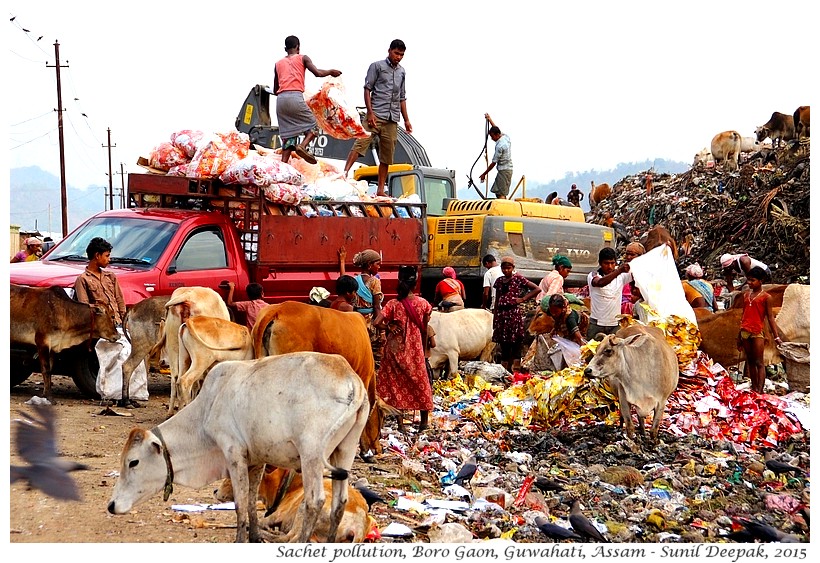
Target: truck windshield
136, 241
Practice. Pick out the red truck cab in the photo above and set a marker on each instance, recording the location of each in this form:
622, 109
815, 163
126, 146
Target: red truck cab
154, 252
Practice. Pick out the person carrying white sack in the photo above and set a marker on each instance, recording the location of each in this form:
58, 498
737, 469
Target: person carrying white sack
97, 286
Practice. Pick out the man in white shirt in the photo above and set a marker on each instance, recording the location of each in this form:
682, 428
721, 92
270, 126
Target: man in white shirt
606, 285
493, 273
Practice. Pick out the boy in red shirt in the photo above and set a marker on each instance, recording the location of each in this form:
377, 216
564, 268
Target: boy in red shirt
757, 308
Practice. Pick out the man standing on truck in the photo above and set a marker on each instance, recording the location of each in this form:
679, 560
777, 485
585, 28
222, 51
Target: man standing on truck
502, 159
292, 113
385, 99
97, 286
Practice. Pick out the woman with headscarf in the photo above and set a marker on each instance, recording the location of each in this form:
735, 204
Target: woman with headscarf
402, 380
632, 250
369, 293
450, 294
368, 299
698, 291
32, 252
553, 282
508, 322
568, 323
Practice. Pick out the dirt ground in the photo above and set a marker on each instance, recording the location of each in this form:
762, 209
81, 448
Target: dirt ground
86, 436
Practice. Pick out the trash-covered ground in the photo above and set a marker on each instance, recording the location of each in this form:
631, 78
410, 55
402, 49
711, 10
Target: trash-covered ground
558, 429
761, 209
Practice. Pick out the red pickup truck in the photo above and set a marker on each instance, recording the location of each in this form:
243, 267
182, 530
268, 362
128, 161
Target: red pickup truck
188, 232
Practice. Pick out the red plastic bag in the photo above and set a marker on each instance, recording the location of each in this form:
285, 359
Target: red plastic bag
333, 114
165, 156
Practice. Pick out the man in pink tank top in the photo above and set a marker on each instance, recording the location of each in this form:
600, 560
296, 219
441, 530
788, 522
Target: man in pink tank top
292, 113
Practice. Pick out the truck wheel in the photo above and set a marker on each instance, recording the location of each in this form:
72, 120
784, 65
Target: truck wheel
19, 371
84, 366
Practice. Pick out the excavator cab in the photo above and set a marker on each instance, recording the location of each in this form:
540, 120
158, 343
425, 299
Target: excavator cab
435, 186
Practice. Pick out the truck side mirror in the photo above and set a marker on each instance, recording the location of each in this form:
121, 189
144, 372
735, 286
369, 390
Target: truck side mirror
172, 267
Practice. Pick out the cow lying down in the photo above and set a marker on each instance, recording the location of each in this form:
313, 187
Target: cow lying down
282, 493
643, 369
302, 411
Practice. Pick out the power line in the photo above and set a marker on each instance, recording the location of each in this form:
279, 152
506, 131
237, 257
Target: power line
34, 139
30, 119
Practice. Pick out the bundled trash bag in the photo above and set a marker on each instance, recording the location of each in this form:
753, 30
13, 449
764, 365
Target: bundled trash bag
333, 114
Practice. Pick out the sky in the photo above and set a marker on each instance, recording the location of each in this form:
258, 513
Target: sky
577, 87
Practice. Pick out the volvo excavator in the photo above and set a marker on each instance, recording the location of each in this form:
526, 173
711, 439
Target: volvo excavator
460, 232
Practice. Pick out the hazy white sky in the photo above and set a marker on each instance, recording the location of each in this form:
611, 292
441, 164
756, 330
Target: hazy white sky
580, 86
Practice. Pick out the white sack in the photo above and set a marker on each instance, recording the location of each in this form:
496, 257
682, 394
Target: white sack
109, 379
656, 275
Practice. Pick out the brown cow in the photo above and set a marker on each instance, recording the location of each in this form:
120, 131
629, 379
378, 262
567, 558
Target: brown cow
598, 193
801, 122
719, 330
657, 236
48, 319
298, 327
142, 326
185, 302
779, 128
203, 342
643, 368
725, 149
282, 493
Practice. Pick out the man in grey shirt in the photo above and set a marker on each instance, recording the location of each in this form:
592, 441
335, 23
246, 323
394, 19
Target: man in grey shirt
385, 99
502, 159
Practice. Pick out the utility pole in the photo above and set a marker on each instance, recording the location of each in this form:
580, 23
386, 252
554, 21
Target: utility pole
60, 110
110, 176
122, 191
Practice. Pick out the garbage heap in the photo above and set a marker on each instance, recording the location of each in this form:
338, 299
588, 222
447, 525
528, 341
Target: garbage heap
761, 209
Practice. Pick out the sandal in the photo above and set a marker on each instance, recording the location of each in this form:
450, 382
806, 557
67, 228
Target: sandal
306, 155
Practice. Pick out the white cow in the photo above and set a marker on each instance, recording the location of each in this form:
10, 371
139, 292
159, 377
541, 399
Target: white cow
466, 334
643, 368
303, 411
203, 342
749, 144
185, 302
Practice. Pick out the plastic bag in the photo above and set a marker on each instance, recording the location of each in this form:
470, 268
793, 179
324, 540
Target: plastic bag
186, 141
656, 275
109, 378
165, 156
333, 114
217, 152
283, 193
260, 171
